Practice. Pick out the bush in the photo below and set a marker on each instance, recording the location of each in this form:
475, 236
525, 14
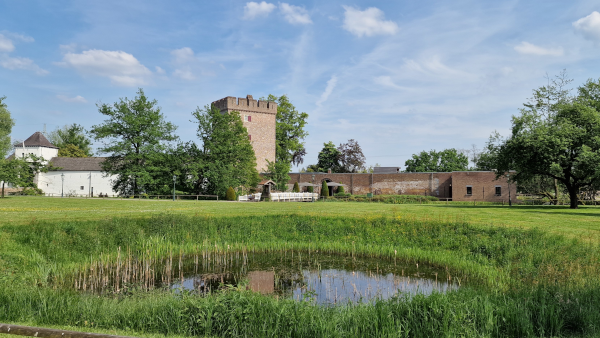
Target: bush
324, 189
31, 192
310, 189
230, 195
296, 187
341, 190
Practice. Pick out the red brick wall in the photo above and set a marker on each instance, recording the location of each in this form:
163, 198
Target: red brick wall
483, 185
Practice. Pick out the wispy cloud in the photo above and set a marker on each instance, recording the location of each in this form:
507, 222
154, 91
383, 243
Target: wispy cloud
589, 26
368, 22
253, 10
78, 98
14, 63
528, 48
294, 14
122, 68
328, 90
6, 44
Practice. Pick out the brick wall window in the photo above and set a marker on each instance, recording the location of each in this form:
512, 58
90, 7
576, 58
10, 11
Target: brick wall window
469, 190
249, 137
498, 190
247, 118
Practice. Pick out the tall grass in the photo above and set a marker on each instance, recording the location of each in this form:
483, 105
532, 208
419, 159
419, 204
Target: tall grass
530, 283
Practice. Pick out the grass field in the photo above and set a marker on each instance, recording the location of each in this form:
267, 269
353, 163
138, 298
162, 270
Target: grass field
583, 223
534, 269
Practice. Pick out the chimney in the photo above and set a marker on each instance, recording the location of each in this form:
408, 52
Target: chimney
329, 171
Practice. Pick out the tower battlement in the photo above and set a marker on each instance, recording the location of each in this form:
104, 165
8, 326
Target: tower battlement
248, 103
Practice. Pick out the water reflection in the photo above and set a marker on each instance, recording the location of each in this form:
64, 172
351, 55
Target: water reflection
323, 279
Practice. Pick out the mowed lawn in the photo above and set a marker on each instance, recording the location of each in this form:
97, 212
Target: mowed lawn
583, 223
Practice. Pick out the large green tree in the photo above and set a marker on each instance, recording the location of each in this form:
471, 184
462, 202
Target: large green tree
20, 172
228, 159
289, 135
437, 161
134, 135
75, 135
329, 158
555, 136
6, 124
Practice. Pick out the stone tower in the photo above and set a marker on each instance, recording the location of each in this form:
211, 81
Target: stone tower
259, 119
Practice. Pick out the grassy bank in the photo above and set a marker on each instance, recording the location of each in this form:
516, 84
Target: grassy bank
582, 224
525, 282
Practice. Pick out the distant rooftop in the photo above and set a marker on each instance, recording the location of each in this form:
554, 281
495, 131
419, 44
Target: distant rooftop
38, 140
386, 170
78, 163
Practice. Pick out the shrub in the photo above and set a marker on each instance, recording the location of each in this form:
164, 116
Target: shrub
324, 189
31, 192
230, 195
310, 189
296, 187
341, 190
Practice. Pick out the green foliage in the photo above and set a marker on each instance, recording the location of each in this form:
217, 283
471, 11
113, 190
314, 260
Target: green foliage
228, 159
31, 191
20, 172
556, 138
324, 189
6, 124
388, 199
340, 189
73, 134
310, 189
134, 135
329, 158
296, 187
185, 161
278, 172
230, 195
71, 150
447, 160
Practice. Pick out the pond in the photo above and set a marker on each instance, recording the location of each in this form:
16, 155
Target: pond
324, 279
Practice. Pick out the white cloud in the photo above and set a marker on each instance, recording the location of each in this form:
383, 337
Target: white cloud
72, 47
253, 10
528, 48
368, 22
183, 58
17, 36
386, 81
121, 68
160, 70
6, 44
589, 26
77, 98
294, 14
21, 63
328, 90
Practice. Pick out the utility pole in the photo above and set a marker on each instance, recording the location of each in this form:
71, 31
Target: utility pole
174, 179
62, 191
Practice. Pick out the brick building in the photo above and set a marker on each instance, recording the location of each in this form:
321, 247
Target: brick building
457, 185
259, 120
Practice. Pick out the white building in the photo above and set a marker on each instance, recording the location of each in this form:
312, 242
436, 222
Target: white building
70, 176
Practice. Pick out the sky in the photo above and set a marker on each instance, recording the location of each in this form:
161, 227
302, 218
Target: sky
399, 77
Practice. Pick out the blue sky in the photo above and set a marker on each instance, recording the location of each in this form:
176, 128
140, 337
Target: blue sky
397, 76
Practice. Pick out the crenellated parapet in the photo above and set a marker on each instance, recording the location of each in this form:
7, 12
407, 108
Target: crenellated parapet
248, 103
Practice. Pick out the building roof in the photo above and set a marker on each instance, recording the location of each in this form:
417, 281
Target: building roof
38, 140
386, 170
77, 163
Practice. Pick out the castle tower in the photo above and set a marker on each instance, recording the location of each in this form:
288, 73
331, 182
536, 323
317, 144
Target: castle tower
259, 119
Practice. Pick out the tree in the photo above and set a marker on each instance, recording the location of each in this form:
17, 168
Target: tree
134, 136
351, 158
21, 171
6, 124
557, 138
73, 134
341, 190
289, 136
71, 150
228, 159
329, 158
296, 187
433, 161
324, 189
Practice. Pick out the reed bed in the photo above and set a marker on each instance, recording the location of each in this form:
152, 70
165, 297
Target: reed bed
526, 282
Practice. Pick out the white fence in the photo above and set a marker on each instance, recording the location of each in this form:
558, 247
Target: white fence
249, 198
294, 196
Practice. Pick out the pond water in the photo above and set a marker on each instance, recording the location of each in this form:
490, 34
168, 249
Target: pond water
320, 278
323, 279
